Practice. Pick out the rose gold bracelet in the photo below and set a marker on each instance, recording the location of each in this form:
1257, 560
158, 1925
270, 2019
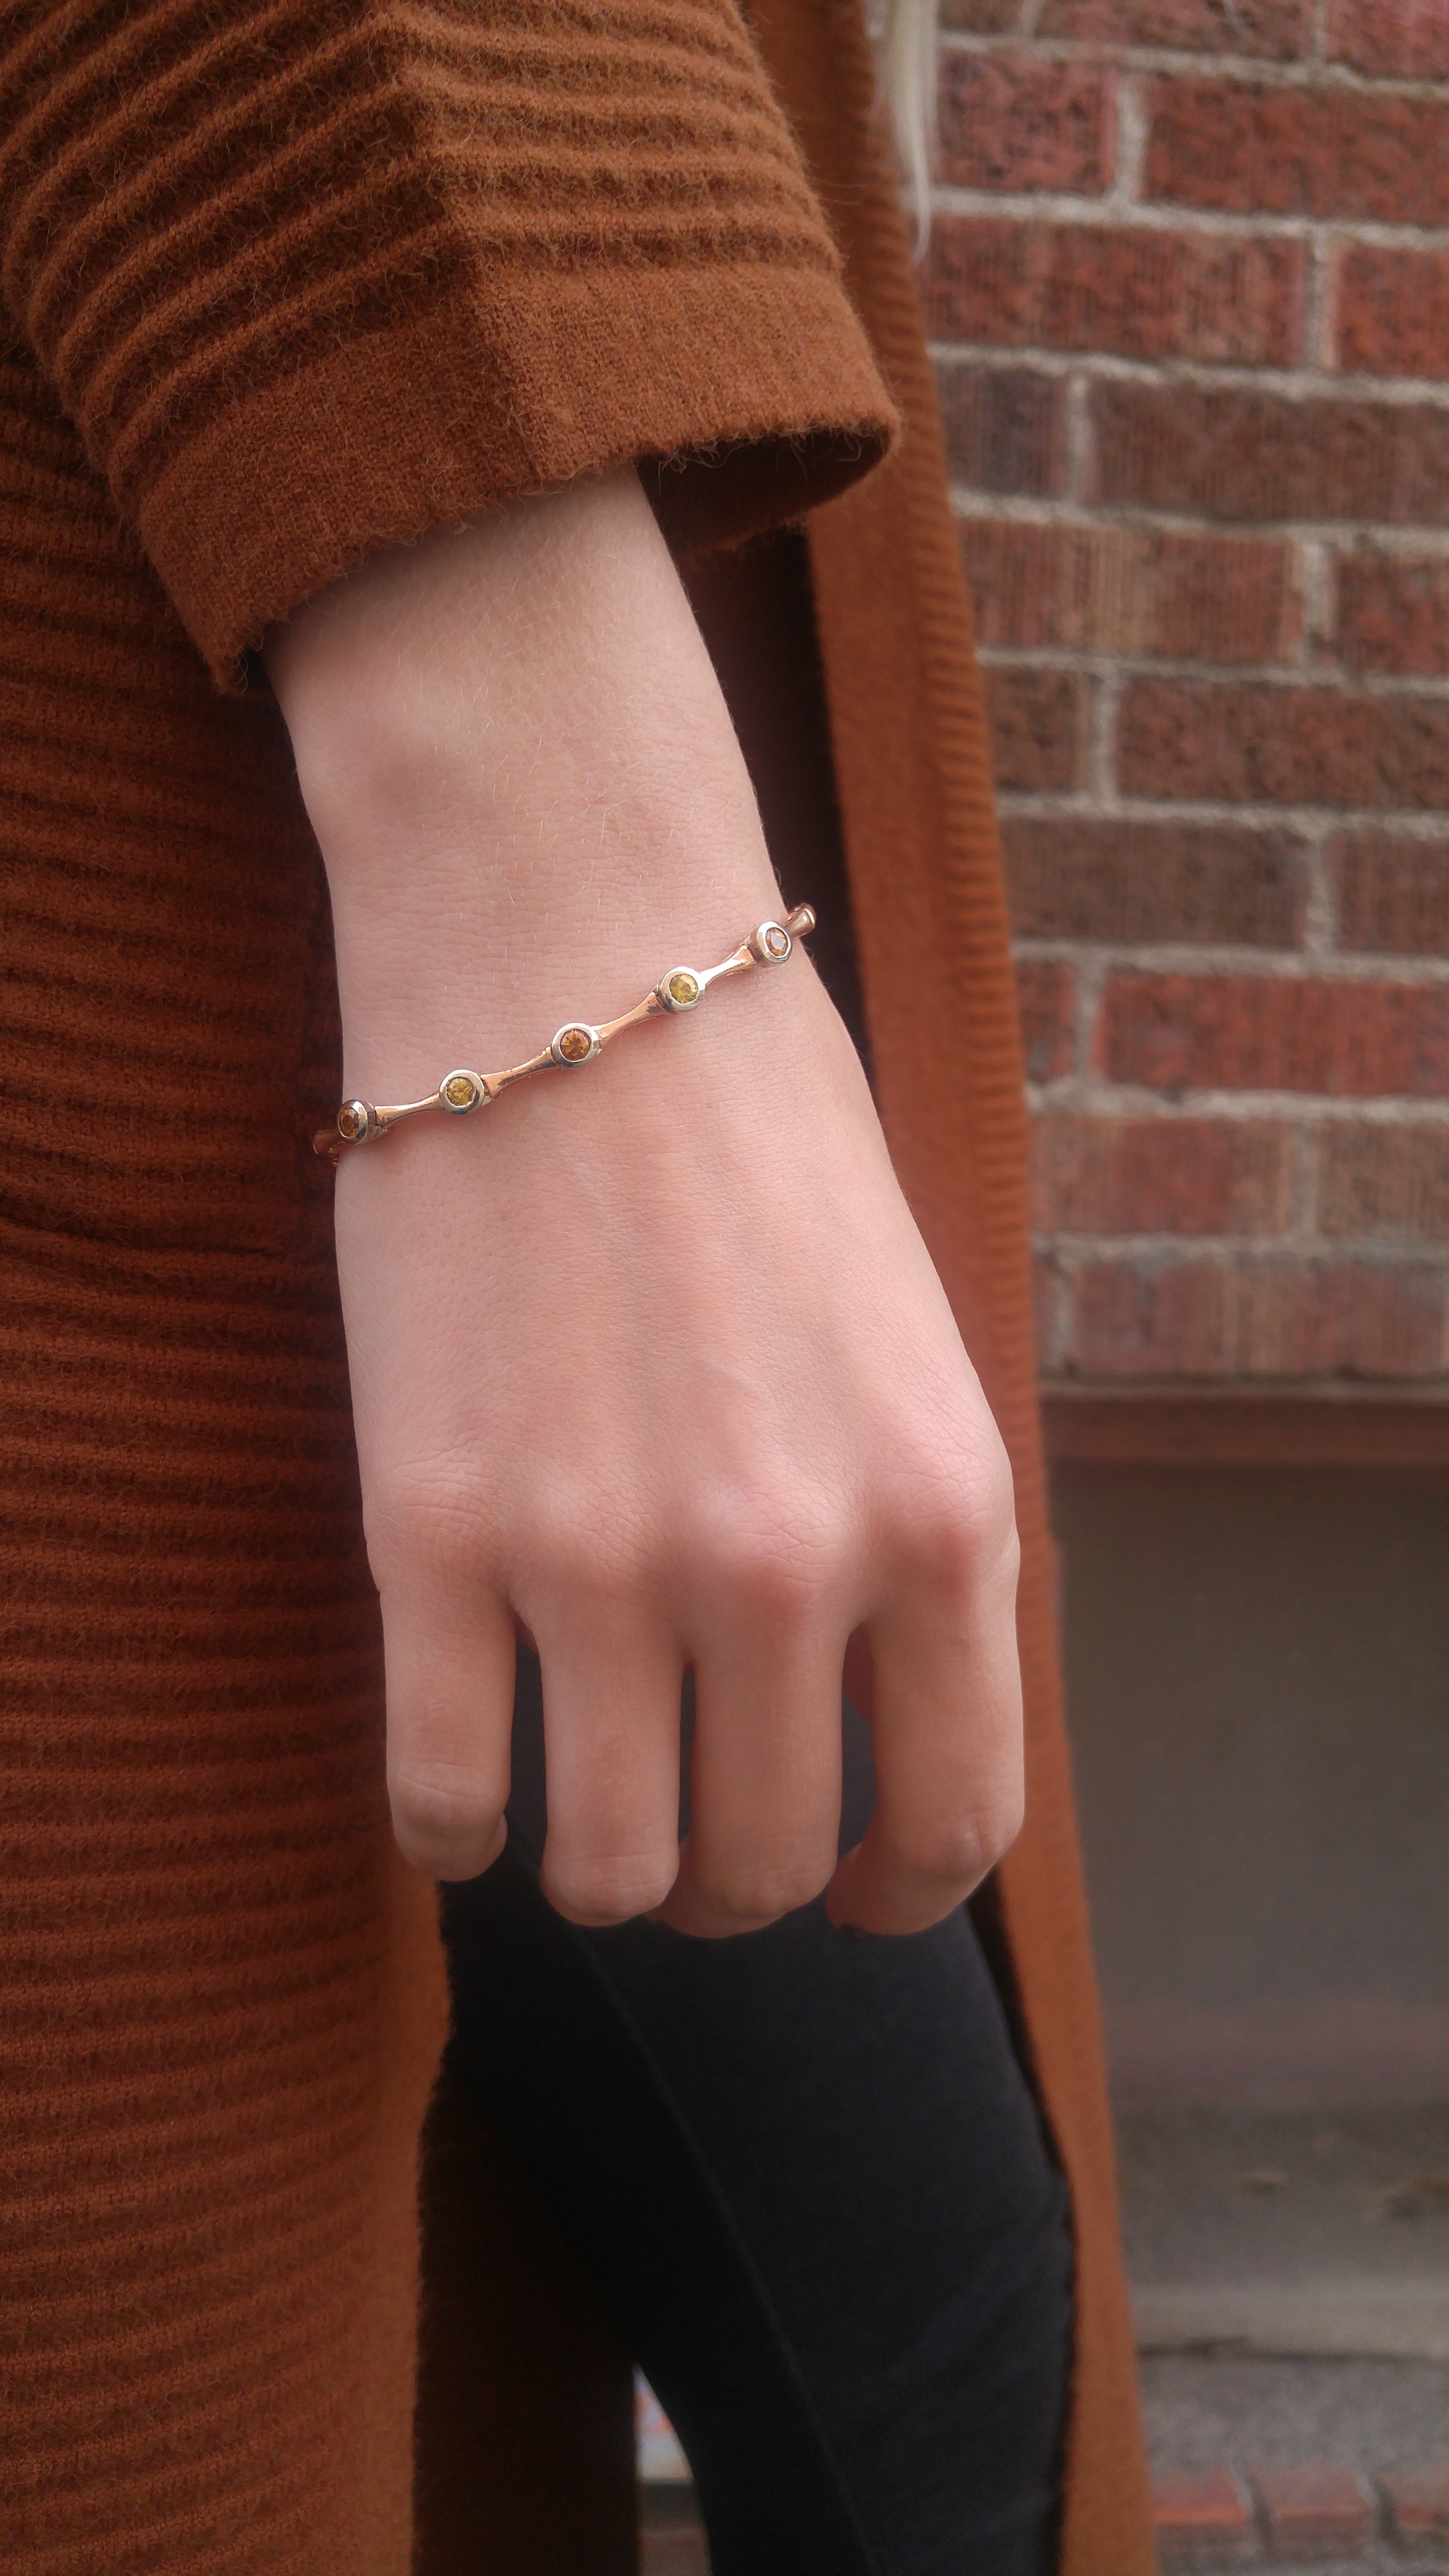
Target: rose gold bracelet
576, 1043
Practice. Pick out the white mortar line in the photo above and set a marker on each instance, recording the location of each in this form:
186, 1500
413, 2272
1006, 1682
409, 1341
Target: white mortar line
1209, 223
1212, 375
1100, 1098
1131, 153
1429, 824
1388, 689
1320, 911
1314, 576
1207, 1392
1102, 745
1212, 959
1340, 536
1384, 1250
1318, 41
1319, 310
1303, 1181
1091, 980
1079, 443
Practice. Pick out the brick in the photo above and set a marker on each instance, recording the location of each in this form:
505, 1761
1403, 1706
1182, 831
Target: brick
1164, 1316
1141, 293
982, 17
1274, 30
1393, 895
1418, 2503
1231, 145
1014, 121
1234, 454
1005, 428
1384, 1184
1347, 1039
1393, 613
1046, 999
1160, 1175
1313, 2510
1131, 590
1071, 877
1282, 745
1345, 1319
1392, 312
1047, 1305
1038, 728
1403, 39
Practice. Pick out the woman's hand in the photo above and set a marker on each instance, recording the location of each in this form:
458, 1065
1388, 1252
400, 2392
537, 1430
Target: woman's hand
650, 1360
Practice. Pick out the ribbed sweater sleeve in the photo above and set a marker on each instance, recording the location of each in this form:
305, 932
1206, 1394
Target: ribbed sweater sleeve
313, 275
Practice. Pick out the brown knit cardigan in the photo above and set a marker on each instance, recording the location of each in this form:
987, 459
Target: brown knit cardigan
285, 281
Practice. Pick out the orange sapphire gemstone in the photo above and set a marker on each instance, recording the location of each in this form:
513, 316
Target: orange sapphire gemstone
574, 1045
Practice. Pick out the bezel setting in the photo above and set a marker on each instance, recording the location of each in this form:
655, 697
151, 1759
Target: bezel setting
771, 943
477, 1091
354, 1122
585, 1054
674, 1001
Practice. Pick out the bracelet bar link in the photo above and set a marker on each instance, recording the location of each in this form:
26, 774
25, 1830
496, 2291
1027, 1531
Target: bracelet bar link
577, 1043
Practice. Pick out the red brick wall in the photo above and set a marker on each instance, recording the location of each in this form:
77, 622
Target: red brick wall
1189, 291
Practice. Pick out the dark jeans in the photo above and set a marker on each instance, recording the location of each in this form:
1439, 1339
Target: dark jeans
811, 2184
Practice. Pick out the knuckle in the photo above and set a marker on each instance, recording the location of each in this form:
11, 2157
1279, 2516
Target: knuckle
595, 1888
426, 1517
767, 1886
443, 1810
958, 1852
958, 1521
773, 1553
587, 1560
551, 1548
999, 1824
943, 1549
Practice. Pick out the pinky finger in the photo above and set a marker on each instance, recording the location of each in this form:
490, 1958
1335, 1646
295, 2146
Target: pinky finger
947, 1742
450, 1679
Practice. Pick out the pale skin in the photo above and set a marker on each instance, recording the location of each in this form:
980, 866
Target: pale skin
648, 1361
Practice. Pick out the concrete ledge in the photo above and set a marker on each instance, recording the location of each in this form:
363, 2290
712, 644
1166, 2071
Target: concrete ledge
1334, 2318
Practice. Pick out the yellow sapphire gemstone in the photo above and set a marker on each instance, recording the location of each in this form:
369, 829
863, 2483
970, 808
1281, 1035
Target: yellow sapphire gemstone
458, 1091
574, 1045
351, 1121
684, 988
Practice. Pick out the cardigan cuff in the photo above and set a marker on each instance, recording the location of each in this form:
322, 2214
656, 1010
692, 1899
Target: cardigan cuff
746, 394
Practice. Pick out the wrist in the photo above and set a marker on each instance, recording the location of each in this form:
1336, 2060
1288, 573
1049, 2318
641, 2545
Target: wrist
523, 779
459, 955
